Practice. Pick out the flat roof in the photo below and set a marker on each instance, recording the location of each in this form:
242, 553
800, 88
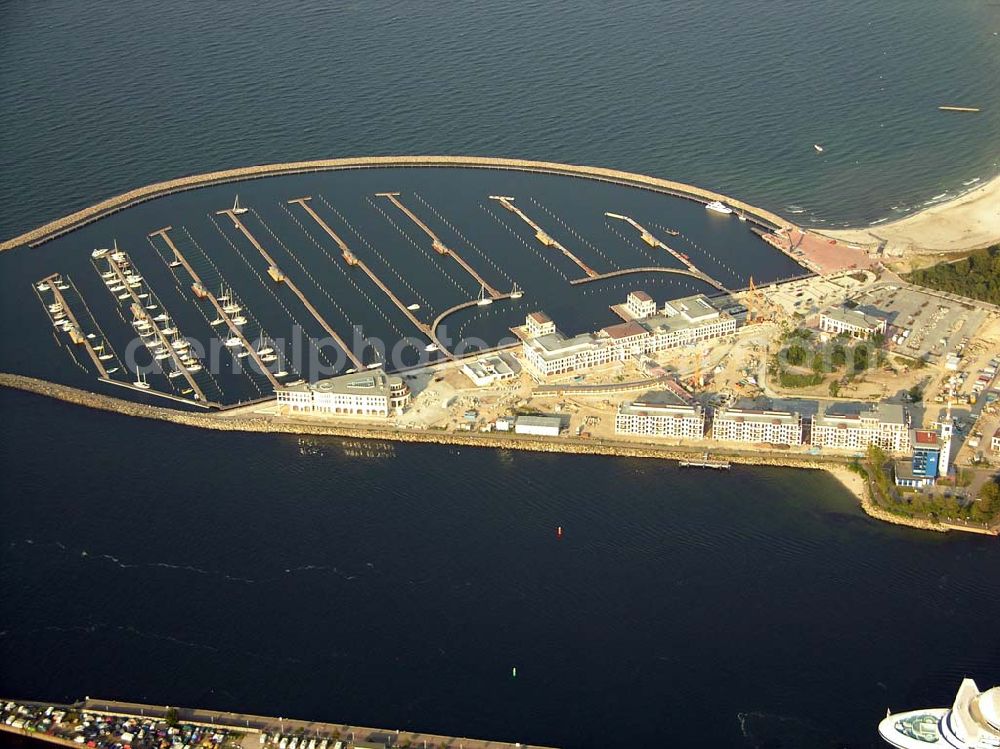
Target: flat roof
625, 330
925, 438
367, 382
538, 421
854, 317
642, 296
539, 317
757, 416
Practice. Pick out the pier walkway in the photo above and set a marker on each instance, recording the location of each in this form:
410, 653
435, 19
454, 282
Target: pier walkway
652, 269
281, 277
439, 247
540, 234
353, 260
202, 291
139, 311
53, 282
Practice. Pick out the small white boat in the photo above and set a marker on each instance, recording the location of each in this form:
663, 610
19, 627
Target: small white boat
718, 207
91, 336
483, 300
161, 357
162, 317
352, 370
116, 287
118, 256
108, 274
169, 331
296, 382
431, 347
174, 263
242, 354
282, 373
133, 278
124, 296
239, 320
42, 287
412, 307
265, 351
141, 382
231, 309
268, 358
217, 321
237, 209
143, 295
105, 357
193, 368
62, 286
174, 373
374, 365
57, 307
819, 148
99, 253
151, 306
112, 370
233, 342
516, 293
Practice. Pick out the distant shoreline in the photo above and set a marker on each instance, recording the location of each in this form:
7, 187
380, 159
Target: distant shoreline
835, 465
968, 222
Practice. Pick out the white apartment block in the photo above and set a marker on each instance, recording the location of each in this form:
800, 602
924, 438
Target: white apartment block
648, 419
640, 305
682, 322
370, 393
855, 323
747, 425
886, 425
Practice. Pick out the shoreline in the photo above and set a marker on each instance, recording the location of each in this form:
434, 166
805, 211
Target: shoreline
834, 465
970, 221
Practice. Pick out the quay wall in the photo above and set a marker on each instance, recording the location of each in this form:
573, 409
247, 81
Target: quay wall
104, 208
835, 464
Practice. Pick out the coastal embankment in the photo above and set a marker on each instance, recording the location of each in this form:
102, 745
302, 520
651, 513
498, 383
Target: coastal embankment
117, 203
836, 465
969, 222
241, 729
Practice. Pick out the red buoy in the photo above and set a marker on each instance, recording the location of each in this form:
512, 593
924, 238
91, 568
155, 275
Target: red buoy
559, 532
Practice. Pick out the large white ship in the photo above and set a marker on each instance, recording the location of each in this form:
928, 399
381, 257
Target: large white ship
719, 207
972, 722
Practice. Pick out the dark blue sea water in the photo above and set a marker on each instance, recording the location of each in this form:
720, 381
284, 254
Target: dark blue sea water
399, 585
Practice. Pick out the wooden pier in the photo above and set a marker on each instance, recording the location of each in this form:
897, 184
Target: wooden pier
81, 337
281, 277
649, 238
436, 243
540, 234
353, 260
205, 293
138, 310
651, 269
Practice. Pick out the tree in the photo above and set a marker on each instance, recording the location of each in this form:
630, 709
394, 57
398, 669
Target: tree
171, 716
915, 393
834, 388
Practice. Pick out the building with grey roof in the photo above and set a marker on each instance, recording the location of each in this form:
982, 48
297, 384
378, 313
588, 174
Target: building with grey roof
885, 425
685, 321
491, 369
856, 323
370, 393
754, 426
661, 414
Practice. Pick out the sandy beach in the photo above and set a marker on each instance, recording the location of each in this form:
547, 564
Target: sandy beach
969, 222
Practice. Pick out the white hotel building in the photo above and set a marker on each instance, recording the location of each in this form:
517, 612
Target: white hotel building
644, 418
886, 425
370, 393
681, 322
747, 425
855, 323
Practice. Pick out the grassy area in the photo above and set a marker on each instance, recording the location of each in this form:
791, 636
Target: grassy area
976, 276
877, 467
803, 361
